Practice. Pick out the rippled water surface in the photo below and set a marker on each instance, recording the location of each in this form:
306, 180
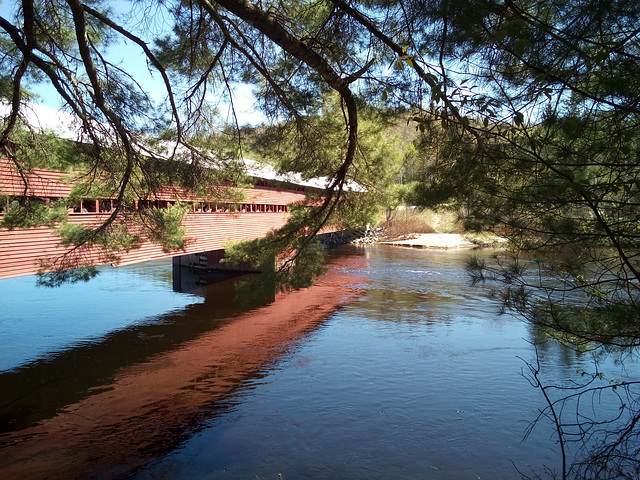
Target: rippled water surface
416, 376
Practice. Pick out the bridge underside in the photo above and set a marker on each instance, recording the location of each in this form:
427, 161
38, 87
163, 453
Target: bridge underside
196, 269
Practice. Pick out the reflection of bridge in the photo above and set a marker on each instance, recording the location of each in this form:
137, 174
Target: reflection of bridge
209, 225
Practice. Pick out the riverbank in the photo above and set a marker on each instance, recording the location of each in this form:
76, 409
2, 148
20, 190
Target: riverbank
424, 228
446, 241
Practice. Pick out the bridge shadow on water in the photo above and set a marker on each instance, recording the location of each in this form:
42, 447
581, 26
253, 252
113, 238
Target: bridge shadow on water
104, 408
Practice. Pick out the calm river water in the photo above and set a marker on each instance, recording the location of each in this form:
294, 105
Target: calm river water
392, 367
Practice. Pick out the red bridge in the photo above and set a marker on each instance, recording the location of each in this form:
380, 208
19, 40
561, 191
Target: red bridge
209, 226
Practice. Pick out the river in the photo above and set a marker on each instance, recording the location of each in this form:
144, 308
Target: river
392, 366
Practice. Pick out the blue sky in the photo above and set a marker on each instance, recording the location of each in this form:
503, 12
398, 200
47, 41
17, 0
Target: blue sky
130, 58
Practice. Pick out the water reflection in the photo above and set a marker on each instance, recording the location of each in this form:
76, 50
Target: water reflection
37, 390
411, 381
138, 391
37, 322
393, 366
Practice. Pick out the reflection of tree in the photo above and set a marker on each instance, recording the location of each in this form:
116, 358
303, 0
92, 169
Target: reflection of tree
595, 420
416, 286
399, 305
596, 417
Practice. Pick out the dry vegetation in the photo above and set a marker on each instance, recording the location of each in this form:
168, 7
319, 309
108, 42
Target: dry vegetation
405, 224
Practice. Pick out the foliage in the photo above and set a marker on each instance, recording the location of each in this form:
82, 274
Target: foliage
405, 223
27, 212
557, 173
56, 278
88, 247
298, 270
526, 116
45, 149
287, 258
165, 226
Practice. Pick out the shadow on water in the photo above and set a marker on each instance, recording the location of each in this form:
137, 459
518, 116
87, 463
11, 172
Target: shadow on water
36, 391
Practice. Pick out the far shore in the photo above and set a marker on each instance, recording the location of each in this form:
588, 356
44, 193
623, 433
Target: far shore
444, 241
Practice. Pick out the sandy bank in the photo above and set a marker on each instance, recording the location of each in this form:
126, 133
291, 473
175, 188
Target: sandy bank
440, 240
